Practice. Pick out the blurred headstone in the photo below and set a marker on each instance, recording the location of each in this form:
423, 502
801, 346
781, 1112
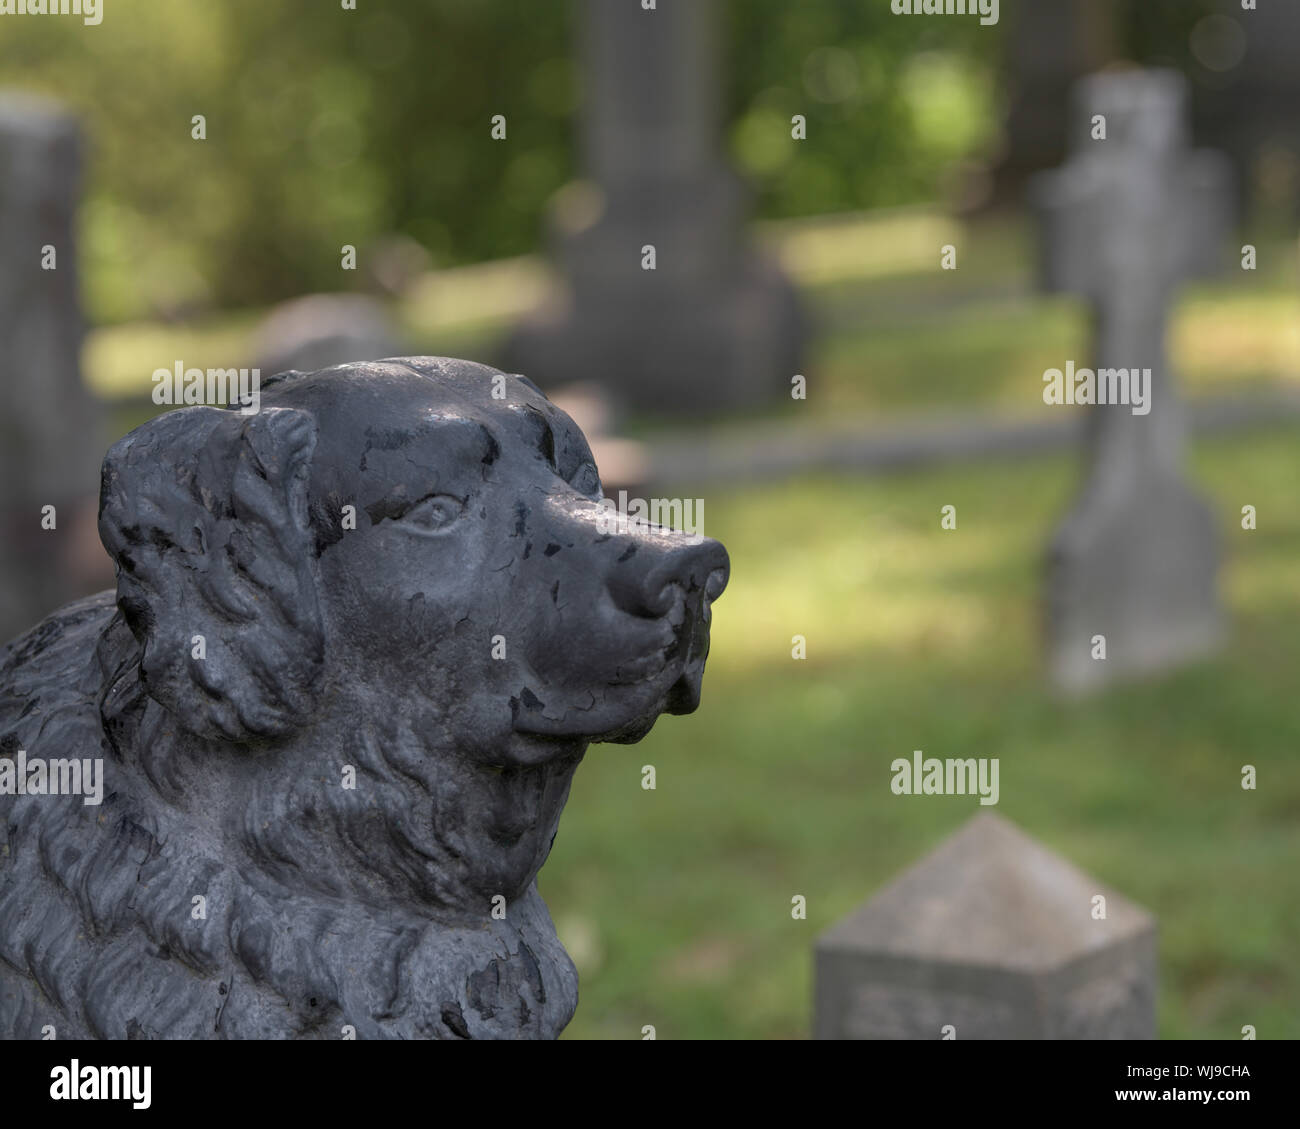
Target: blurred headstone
715, 325
394, 264
321, 330
1132, 571
50, 443
991, 936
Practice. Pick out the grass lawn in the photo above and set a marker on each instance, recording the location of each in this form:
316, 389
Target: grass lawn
895, 334
676, 902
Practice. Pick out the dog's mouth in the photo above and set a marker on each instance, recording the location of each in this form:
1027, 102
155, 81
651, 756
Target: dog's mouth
537, 747
647, 668
623, 710
620, 705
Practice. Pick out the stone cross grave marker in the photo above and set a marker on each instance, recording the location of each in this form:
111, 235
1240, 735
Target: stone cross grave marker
1127, 221
714, 325
993, 937
49, 442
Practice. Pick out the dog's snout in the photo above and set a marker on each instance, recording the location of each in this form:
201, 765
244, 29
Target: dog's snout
652, 580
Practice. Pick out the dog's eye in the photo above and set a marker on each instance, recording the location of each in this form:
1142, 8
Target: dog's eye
586, 480
434, 513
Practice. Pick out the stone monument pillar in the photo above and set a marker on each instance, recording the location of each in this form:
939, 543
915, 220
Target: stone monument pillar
50, 446
666, 304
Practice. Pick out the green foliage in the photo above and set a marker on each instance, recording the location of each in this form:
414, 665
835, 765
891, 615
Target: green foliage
327, 126
889, 102
324, 126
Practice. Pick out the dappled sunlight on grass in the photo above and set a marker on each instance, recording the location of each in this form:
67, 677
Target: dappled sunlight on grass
907, 335
859, 245
1248, 334
778, 785
864, 565
994, 354
120, 360
470, 296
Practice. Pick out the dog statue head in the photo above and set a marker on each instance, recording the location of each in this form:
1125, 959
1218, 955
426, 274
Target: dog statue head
373, 629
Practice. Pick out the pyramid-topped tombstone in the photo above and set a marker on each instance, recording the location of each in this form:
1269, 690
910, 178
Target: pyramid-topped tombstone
990, 936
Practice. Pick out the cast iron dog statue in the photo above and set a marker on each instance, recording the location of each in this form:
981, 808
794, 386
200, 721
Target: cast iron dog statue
359, 644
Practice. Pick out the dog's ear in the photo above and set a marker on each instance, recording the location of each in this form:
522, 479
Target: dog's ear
205, 513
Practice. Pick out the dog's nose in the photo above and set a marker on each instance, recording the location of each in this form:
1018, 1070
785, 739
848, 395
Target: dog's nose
657, 573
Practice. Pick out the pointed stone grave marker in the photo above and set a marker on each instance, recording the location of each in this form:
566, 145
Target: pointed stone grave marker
994, 936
